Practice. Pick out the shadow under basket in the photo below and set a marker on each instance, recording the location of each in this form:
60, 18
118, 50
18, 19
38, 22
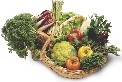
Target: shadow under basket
72, 74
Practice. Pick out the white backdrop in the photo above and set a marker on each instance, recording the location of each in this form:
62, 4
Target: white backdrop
15, 69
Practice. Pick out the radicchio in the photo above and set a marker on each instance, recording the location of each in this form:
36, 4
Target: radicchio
46, 18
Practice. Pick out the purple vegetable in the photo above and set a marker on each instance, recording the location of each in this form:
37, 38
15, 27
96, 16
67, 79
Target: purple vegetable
45, 20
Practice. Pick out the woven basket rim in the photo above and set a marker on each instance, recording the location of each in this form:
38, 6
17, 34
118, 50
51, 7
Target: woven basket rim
71, 74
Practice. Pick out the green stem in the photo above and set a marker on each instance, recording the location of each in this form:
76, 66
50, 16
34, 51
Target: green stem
56, 12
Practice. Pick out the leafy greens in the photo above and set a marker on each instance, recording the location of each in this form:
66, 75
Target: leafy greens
20, 33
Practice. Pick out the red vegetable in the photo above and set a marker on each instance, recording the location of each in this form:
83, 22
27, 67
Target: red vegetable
44, 14
74, 34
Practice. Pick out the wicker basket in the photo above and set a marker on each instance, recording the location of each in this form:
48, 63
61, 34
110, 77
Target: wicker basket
72, 74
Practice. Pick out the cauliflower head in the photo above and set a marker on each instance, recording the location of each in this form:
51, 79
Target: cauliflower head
62, 51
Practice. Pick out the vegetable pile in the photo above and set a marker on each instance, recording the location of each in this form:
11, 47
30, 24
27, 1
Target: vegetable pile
79, 45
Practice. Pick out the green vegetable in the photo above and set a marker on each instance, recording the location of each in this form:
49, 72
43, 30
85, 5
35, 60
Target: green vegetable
105, 48
75, 24
98, 25
63, 33
56, 9
62, 51
95, 60
65, 16
56, 13
20, 33
66, 29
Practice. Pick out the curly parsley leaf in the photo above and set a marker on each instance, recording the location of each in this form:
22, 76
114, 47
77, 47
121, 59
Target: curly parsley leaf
20, 33
93, 61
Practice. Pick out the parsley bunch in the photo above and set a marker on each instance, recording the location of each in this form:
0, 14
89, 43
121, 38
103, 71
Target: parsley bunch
20, 33
93, 61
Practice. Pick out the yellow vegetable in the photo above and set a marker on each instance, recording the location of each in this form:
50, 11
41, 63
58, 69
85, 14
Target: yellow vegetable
84, 51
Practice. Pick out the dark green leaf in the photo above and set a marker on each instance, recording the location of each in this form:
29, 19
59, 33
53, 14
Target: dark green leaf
20, 33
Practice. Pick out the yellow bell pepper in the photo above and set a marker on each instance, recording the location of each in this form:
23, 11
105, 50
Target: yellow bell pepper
84, 51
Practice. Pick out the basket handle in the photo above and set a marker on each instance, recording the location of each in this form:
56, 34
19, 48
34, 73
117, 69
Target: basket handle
42, 54
67, 22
